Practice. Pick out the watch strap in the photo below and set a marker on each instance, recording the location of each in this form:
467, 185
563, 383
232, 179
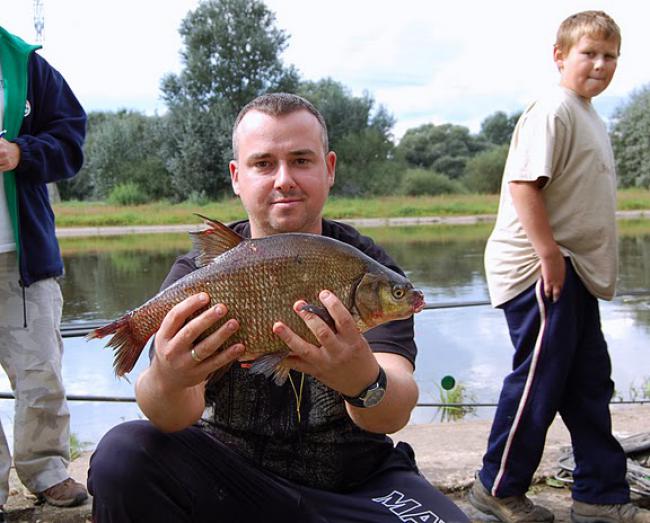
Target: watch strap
375, 387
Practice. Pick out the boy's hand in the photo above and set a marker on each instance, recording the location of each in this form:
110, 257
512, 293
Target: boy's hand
553, 274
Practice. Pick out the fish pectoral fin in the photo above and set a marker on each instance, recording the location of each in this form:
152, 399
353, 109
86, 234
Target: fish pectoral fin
271, 365
213, 241
321, 313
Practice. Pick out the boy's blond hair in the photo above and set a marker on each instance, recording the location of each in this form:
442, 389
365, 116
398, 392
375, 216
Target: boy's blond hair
596, 24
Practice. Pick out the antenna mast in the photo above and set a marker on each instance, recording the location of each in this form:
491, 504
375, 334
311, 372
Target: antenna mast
39, 20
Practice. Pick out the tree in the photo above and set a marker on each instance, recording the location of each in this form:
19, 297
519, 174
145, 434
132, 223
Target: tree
359, 135
498, 127
630, 136
120, 148
483, 172
442, 148
231, 54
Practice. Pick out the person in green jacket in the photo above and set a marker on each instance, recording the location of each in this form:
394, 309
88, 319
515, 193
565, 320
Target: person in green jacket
42, 135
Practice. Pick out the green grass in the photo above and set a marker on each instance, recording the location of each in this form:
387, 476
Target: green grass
97, 214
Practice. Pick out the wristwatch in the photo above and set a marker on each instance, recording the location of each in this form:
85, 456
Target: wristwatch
371, 395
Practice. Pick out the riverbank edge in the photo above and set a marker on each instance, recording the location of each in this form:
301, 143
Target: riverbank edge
116, 230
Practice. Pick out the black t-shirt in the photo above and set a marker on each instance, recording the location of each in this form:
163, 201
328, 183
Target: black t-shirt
257, 418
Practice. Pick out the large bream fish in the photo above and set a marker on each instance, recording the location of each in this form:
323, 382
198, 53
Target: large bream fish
259, 280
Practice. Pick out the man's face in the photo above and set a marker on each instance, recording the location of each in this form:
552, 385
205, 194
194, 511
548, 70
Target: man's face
589, 66
281, 173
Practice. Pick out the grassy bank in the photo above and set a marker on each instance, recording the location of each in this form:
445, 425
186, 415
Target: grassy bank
97, 214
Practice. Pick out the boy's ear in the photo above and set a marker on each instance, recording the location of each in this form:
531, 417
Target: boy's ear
558, 57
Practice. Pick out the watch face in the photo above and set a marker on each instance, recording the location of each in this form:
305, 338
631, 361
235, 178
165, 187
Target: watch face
373, 397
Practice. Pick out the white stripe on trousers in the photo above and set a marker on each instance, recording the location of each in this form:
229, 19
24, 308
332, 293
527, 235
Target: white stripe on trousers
527, 386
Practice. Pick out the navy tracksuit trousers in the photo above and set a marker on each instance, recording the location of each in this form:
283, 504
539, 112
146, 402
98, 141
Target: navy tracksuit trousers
561, 364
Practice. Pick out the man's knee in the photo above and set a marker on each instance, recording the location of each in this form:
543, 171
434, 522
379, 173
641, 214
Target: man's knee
123, 456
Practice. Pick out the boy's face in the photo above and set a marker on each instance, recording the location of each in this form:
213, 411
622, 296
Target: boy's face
588, 66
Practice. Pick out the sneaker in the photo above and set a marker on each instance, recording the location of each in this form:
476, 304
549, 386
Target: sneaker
513, 509
67, 493
625, 513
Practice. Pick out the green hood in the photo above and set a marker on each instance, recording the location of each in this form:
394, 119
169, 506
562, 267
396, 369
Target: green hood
14, 59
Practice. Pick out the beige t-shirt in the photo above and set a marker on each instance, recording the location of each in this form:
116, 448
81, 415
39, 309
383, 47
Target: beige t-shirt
562, 138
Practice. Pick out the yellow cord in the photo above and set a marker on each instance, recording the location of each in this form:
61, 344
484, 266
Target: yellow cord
297, 395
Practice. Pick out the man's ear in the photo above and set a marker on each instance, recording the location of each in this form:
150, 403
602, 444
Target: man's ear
330, 163
234, 176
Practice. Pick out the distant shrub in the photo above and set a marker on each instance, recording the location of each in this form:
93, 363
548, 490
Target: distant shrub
416, 182
127, 194
484, 171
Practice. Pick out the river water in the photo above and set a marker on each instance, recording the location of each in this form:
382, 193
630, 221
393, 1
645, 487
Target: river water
105, 277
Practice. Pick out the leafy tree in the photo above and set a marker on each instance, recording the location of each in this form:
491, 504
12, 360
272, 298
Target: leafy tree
630, 136
483, 172
498, 127
120, 148
442, 148
359, 135
231, 54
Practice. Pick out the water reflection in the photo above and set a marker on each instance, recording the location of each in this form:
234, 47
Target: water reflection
107, 276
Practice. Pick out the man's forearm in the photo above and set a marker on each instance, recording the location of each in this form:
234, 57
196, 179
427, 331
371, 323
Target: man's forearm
394, 412
169, 410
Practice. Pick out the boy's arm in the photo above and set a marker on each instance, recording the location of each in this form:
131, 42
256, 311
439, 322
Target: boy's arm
531, 210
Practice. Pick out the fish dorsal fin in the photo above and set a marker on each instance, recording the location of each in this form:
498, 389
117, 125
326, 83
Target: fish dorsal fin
213, 241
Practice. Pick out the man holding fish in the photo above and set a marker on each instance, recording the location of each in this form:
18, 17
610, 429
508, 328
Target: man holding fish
223, 441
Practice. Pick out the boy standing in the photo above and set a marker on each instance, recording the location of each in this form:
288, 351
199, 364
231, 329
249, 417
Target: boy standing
552, 254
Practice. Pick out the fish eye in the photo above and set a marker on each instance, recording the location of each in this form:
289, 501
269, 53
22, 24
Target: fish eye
398, 293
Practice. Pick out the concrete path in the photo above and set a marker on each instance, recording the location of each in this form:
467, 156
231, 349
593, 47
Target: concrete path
447, 453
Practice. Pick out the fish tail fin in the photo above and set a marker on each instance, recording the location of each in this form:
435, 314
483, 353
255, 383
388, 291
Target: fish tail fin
125, 344
271, 365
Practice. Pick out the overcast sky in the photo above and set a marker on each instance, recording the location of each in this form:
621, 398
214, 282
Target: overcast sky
426, 61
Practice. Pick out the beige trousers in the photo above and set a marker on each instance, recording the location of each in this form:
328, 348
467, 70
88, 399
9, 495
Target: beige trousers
31, 357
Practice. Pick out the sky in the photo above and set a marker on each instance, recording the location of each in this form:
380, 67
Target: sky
425, 61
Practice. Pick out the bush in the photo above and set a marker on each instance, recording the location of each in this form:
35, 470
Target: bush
127, 194
483, 172
416, 182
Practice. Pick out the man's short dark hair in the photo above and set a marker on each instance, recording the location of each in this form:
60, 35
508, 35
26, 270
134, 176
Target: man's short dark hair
280, 104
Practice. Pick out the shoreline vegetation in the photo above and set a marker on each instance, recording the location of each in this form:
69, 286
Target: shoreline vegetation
100, 214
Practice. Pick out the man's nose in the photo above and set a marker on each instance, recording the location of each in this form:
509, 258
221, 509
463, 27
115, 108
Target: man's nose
599, 62
283, 178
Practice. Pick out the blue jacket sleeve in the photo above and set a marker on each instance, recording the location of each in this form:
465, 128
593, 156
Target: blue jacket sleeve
52, 134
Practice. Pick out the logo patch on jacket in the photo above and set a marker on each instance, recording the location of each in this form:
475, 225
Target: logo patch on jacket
28, 108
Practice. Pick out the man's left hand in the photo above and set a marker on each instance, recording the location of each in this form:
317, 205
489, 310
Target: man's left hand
9, 155
344, 361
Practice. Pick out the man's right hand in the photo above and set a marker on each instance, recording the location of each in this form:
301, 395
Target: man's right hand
9, 155
171, 391
176, 339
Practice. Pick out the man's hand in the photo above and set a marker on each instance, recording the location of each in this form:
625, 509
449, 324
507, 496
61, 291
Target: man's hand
9, 155
171, 391
176, 337
344, 361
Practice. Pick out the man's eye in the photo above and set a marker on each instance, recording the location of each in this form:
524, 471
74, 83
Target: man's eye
263, 164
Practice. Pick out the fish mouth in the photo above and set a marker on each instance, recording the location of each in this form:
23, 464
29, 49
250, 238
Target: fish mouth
417, 301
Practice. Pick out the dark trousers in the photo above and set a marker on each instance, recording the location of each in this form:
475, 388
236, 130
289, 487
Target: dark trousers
139, 474
561, 364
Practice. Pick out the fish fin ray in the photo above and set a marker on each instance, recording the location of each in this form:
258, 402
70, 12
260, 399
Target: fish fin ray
126, 346
271, 365
322, 313
213, 241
